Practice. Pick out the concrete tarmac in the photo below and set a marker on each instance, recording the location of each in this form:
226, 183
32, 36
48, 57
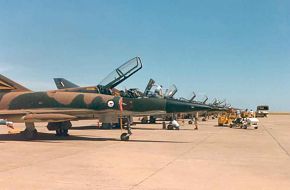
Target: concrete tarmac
155, 159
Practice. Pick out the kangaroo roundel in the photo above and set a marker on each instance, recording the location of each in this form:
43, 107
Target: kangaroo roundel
111, 103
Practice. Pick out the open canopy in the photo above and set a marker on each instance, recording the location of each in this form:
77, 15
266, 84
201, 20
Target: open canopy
171, 91
121, 73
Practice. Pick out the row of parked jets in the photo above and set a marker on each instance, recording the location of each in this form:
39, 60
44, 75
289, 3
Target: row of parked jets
104, 102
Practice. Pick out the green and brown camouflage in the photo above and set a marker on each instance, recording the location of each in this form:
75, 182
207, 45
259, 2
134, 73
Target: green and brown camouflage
15, 106
52, 102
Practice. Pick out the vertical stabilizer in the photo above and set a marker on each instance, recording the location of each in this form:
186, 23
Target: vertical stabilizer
62, 83
7, 85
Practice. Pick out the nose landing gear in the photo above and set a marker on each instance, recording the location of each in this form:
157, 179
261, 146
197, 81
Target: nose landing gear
126, 136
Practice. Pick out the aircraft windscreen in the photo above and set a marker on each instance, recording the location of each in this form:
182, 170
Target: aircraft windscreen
122, 73
171, 91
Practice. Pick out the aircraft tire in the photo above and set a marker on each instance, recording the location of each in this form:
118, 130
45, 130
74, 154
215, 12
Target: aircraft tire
58, 132
169, 127
125, 137
61, 132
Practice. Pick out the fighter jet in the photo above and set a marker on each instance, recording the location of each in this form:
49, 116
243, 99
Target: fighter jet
59, 108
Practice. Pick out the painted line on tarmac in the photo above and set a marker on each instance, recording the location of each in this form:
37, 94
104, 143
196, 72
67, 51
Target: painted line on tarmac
276, 140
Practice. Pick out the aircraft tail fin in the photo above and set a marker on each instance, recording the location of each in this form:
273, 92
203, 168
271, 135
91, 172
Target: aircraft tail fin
62, 83
7, 85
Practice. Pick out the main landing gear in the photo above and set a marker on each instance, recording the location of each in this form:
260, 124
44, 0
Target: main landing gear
60, 128
30, 132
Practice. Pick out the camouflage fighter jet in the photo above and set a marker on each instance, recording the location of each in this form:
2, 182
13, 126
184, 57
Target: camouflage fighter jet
59, 108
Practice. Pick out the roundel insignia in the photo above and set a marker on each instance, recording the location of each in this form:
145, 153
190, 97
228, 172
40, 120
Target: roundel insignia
111, 104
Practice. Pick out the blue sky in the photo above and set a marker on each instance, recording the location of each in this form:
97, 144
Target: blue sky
233, 49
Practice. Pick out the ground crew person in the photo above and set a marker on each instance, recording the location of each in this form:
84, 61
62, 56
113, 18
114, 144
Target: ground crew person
175, 124
252, 113
158, 90
196, 121
238, 114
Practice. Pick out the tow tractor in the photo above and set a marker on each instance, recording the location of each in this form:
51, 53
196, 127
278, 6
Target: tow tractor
245, 123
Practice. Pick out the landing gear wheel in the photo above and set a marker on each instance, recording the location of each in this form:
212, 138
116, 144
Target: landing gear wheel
125, 137
61, 132
169, 127
60, 128
65, 132
57, 132
255, 127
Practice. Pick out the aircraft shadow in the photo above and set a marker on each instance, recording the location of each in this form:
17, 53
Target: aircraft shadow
51, 138
85, 128
143, 128
160, 129
92, 127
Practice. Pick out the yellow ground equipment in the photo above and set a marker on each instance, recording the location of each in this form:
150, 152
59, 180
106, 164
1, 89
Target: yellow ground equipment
226, 118
245, 114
